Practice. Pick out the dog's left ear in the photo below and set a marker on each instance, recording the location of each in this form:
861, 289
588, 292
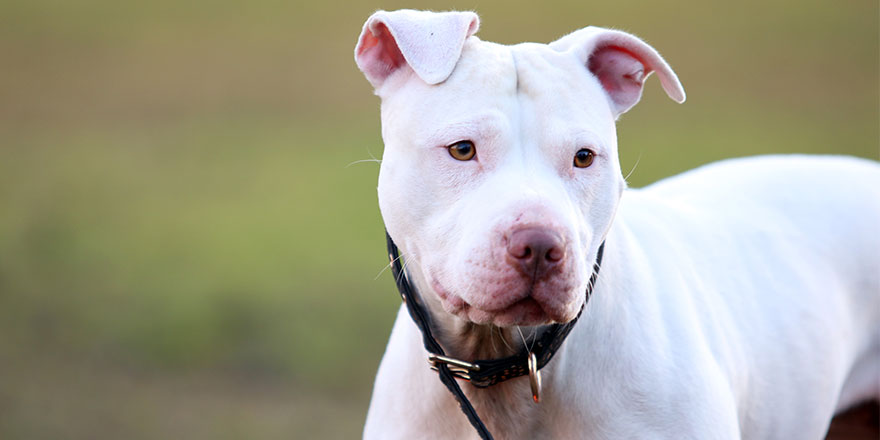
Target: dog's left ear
621, 62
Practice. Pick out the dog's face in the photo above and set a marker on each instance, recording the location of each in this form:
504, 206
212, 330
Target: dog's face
500, 176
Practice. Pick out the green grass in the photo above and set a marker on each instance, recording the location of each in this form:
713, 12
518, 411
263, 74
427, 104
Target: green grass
185, 249
200, 234
214, 248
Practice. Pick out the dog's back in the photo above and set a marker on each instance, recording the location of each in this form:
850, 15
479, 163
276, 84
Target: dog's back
784, 274
826, 206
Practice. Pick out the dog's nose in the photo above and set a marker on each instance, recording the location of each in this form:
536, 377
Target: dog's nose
534, 251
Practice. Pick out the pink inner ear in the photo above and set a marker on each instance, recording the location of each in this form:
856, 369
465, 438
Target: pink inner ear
621, 74
378, 53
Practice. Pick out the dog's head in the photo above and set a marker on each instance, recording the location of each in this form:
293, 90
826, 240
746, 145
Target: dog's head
500, 175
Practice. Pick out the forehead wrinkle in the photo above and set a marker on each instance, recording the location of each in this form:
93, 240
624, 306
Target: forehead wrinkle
542, 75
558, 90
539, 95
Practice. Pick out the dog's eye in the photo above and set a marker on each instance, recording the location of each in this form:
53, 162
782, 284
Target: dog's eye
462, 150
583, 158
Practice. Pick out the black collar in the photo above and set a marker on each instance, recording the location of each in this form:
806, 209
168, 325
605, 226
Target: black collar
483, 373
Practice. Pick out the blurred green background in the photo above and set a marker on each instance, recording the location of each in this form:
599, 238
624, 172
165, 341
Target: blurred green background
187, 250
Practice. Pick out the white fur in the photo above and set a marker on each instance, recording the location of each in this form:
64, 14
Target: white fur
738, 300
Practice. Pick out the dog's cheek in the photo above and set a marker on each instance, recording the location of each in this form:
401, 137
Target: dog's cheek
399, 201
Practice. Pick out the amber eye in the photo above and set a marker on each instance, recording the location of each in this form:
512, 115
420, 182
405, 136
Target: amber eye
583, 158
462, 150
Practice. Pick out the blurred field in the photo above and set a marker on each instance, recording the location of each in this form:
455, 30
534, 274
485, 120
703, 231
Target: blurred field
185, 251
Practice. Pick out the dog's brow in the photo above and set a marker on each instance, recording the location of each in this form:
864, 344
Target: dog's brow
585, 138
482, 127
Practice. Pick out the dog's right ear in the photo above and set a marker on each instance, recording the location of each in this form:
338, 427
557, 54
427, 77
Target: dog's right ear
429, 43
621, 62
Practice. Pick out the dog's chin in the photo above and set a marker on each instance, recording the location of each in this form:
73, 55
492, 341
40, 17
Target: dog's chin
524, 312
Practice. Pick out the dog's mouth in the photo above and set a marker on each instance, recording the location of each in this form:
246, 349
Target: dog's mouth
524, 312
525, 309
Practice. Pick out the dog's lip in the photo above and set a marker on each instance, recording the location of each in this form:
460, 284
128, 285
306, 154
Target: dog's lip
455, 303
523, 310
526, 311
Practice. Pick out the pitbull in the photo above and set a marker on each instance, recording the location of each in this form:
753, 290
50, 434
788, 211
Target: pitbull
737, 300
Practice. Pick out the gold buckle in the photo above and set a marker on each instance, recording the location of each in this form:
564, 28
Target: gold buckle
534, 378
458, 368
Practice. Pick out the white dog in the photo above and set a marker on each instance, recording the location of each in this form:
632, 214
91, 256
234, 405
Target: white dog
738, 300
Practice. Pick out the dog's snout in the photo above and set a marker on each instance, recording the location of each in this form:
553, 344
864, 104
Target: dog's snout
534, 251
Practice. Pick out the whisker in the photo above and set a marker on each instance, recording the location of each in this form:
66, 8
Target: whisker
387, 266
371, 159
639, 159
379, 161
402, 270
492, 338
504, 340
519, 329
534, 337
406, 261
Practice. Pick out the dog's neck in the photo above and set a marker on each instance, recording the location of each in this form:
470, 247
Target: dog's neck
506, 408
